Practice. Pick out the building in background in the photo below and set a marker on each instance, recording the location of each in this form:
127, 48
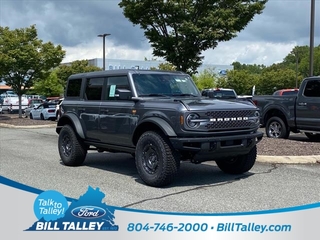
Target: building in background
112, 64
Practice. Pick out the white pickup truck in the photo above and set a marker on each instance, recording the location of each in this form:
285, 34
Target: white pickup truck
11, 102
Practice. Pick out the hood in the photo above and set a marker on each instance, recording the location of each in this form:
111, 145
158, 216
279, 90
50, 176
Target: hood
209, 104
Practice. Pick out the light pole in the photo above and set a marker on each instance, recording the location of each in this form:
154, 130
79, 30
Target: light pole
104, 49
311, 37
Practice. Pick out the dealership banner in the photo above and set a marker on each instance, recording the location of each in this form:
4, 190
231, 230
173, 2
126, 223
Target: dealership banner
27, 212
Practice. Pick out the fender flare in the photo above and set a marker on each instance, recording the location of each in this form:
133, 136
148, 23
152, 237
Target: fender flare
162, 124
68, 118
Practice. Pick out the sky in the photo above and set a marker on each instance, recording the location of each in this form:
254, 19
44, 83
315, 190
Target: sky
75, 24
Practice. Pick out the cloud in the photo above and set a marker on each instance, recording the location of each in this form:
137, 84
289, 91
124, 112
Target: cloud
75, 25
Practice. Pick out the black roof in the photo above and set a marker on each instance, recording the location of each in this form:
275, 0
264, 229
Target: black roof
120, 72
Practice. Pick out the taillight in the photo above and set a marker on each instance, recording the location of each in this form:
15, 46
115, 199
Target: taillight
51, 110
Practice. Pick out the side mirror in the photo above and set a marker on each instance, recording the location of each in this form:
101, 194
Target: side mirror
123, 94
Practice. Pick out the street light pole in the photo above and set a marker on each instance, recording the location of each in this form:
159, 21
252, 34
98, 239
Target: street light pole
104, 49
311, 37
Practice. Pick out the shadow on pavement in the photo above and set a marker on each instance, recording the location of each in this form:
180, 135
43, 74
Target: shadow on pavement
189, 174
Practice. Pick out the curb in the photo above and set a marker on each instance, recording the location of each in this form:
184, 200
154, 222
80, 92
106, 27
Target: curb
24, 127
311, 159
289, 159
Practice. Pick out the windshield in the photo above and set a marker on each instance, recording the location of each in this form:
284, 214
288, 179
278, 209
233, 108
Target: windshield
164, 84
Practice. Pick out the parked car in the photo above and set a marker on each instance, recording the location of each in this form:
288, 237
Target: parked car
58, 109
160, 118
224, 93
44, 111
286, 92
281, 115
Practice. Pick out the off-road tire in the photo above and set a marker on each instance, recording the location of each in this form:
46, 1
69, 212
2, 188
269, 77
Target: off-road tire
240, 164
72, 150
276, 128
156, 161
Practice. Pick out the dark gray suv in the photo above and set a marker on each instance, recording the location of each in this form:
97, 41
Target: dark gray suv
160, 118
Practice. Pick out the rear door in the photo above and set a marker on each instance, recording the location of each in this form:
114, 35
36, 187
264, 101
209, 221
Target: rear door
308, 106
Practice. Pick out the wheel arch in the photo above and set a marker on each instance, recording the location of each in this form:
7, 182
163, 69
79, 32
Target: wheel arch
153, 124
73, 121
275, 112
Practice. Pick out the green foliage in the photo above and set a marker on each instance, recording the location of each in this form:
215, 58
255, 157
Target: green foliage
79, 66
49, 86
179, 31
165, 66
276, 79
247, 67
24, 58
205, 79
241, 81
299, 60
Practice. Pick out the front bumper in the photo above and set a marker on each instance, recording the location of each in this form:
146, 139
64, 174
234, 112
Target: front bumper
215, 148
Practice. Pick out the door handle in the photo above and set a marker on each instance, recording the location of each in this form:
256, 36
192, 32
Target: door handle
302, 104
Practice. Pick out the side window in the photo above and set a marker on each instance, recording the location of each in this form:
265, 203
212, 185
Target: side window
74, 87
115, 83
312, 89
94, 89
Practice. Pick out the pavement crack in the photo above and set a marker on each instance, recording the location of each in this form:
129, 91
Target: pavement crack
188, 190
273, 167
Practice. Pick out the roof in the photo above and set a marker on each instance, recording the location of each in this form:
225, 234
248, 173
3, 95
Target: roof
120, 72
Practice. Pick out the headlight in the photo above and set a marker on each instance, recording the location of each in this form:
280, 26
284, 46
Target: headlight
192, 120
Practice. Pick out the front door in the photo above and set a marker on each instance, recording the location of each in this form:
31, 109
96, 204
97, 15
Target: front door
117, 116
308, 107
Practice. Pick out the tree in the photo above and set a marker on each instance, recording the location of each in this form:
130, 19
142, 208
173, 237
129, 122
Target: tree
49, 86
79, 66
24, 58
205, 79
241, 81
180, 30
276, 79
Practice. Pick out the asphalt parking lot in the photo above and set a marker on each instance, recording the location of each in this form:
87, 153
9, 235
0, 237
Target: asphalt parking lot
30, 156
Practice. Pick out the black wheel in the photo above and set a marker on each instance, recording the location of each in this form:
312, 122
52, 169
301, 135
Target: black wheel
41, 116
71, 148
276, 128
156, 161
313, 136
240, 164
31, 117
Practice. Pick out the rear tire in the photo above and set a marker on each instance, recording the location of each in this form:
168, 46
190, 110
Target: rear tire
31, 117
276, 128
240, 164
72, 150
156, 161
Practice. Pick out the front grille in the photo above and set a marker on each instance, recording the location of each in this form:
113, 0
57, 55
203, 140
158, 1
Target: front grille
221, 120
229, 114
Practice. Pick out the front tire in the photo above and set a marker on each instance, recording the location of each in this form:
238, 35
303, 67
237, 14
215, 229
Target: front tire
72, 150
240, 164
41, 116
276, 128
156, 161
31, 116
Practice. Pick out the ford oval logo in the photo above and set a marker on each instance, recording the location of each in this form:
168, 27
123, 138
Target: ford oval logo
88, 212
